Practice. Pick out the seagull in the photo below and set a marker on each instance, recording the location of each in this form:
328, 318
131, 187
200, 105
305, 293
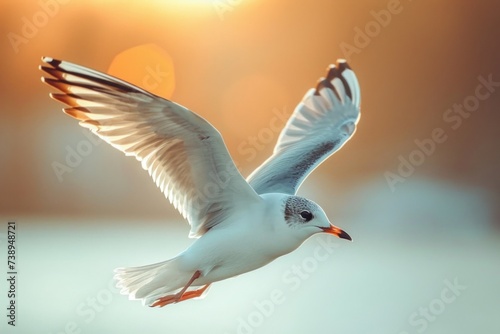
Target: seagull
239, 224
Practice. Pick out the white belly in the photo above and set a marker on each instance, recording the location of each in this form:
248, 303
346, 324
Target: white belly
248, 240
226, 253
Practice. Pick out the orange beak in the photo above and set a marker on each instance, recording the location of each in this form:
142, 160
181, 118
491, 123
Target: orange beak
336, 231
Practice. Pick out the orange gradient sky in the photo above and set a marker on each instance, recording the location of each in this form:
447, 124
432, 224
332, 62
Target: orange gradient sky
244, 65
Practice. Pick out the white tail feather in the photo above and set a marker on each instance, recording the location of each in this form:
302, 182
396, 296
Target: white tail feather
151, 282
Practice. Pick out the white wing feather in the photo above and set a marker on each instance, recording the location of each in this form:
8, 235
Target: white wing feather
320, 125
183, 153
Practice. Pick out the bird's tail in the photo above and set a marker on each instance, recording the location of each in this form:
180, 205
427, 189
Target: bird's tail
151, 282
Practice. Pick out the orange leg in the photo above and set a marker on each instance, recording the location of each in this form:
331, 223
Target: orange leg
181, 295
194, 293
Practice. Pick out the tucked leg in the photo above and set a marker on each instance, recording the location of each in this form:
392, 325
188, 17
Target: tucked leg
182, 295
194, 293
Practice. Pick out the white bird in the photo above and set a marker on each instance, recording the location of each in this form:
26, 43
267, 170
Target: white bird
240, 224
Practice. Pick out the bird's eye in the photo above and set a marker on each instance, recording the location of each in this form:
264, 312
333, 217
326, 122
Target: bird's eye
306, 215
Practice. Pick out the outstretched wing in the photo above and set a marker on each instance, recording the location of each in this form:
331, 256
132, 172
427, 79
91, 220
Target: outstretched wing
183, 153
323, 121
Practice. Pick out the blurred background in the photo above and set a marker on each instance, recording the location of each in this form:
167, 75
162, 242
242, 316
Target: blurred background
417, 187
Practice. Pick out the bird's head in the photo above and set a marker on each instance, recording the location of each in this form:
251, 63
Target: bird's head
305, 218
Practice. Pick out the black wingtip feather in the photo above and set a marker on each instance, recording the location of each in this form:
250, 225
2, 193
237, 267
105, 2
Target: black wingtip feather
342, 65
326, 83
335, 71
52, 71
58, 72
51, 61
